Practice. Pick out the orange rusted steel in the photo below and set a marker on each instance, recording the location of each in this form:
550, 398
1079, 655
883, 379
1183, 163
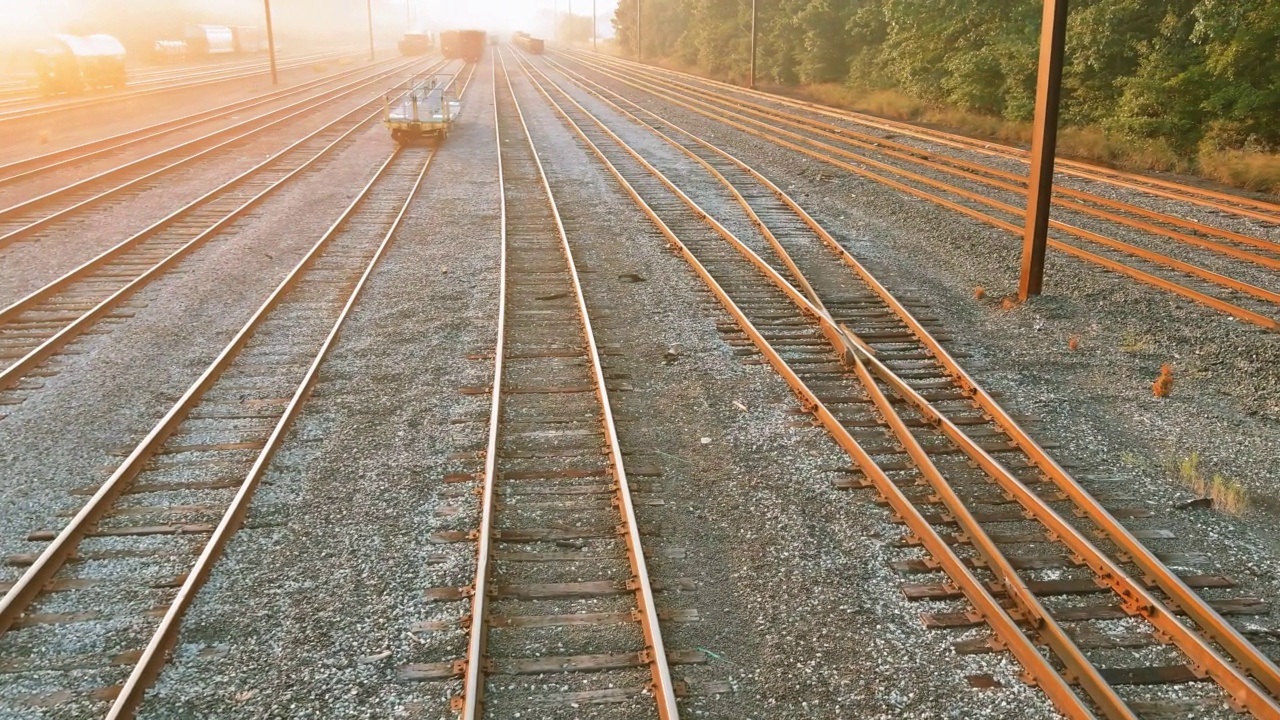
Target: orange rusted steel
1044, 147
976, 172
1242, 313
1236, 684
1231, 203
986, 605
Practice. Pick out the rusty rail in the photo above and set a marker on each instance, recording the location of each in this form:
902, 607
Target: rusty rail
1262, 210
1236, 684
825, 151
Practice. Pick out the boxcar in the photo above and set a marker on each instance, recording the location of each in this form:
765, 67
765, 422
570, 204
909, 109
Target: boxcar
70, 63
210, 40
465, 45
415, 44
529, 44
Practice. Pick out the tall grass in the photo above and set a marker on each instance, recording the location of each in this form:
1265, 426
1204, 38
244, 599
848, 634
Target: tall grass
1251, 170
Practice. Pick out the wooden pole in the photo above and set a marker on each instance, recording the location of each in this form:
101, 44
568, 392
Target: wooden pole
751, 75
271, 43
369, 7
1044, 141
639, 52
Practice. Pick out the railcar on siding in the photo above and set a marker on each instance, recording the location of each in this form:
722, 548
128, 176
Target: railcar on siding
71, 63
415, 44
465, 45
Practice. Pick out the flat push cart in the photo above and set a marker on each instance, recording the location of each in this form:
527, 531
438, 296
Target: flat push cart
424, 111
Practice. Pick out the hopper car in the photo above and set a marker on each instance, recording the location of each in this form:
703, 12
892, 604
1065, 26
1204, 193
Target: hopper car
465, 45
70, 63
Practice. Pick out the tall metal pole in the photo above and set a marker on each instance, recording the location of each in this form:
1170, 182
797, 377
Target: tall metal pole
751, 75
369, 7
639, 52
271, 43
1044, 142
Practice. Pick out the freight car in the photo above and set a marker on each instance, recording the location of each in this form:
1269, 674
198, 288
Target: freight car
415, 44
70, 63
529, 44
210, 40
465, 45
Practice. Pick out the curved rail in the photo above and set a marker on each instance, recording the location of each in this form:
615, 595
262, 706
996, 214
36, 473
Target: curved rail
870, 368
1231, 203
1161, 265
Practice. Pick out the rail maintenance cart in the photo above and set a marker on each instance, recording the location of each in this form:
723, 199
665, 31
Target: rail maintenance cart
424, 111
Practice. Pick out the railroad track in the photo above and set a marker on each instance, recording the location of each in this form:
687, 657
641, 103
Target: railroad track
30, 167
27, 108
35, 328
88, 623
1096, 619
561, 594
26, 220
1220, 268
1224, 202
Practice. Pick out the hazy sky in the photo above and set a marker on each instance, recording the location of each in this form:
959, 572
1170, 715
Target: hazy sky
24, 18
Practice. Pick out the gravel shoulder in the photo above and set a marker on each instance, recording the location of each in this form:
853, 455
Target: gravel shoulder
1096, 402
336, 553
116, 384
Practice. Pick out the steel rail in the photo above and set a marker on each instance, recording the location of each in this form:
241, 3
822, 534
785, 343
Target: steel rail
281, 116
18, 369
42, 109
13, 171
853, 350
978, 594
663, 687
55, 555
1135, 594
152, 659
1136, 273
1270, 211
1013, 183
722, 115
63, 547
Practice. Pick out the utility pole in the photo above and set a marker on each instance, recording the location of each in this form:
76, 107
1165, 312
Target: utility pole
369, 7
594, 25
271, 43
751, 75
1044, 141
639, 52
568, 28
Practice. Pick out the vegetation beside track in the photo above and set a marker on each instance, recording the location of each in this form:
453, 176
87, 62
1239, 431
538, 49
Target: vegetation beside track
1183, 86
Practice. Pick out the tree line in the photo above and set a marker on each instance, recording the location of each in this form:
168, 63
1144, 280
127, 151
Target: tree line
1194, 75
